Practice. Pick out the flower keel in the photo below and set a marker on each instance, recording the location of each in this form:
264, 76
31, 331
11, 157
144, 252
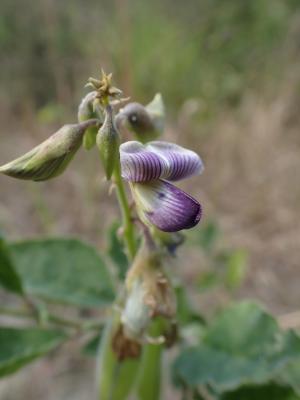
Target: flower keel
164, 205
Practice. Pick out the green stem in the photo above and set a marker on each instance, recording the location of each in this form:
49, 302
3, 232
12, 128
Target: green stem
115, 378
149, 379
126, 214
55, 319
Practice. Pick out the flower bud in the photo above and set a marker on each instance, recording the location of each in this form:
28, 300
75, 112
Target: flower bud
146, 122
149, 295
108, 142
50, 158
87, 111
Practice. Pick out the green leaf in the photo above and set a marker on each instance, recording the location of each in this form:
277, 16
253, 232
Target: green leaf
266, 392
19, 347
244, 345
9, 277
116, 250
91, 347
63, 270
291, 374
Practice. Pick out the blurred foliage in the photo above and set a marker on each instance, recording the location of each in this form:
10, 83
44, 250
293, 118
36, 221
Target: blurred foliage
9, 277
20, 346
242, 346
225, 267
116, 250
209, 49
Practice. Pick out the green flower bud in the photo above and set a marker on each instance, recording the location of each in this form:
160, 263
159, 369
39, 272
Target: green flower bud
50, 158
146, 122
86, 111
108, 142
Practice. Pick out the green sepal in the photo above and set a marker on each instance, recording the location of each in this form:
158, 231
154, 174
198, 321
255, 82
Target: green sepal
89, 138
87, 110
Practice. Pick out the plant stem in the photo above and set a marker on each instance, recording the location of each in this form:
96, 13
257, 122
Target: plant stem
126, 214
55, 319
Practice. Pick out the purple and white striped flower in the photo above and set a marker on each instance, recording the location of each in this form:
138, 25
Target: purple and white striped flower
149, 168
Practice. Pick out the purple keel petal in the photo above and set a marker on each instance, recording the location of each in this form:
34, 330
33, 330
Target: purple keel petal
164, 205
139, 164
182, 162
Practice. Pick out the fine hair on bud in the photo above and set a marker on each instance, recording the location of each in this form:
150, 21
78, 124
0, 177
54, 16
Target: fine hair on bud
108, 142
50, 158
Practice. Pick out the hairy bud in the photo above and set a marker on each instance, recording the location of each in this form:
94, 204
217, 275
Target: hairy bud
87, 111
50, 158
146, 122
108, 142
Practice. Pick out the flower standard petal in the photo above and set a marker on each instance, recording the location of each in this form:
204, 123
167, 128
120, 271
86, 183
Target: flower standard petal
183, 163
140, 164
158, 160
164, 205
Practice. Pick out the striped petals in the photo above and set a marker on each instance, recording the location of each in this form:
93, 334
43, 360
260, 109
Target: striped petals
139, 164
158, 160
165, 206
183, 163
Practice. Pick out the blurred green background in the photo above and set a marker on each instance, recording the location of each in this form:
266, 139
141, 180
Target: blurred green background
229, 72
212, 50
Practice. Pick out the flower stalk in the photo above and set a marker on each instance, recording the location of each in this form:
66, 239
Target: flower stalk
128, 226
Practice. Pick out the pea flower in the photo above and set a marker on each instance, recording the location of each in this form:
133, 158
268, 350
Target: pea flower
149, 169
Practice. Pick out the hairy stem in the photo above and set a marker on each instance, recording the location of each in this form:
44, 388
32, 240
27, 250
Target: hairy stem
128, 226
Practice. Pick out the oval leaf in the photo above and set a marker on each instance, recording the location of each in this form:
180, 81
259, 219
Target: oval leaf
9, 277
18, 347
244, 345
63, 270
